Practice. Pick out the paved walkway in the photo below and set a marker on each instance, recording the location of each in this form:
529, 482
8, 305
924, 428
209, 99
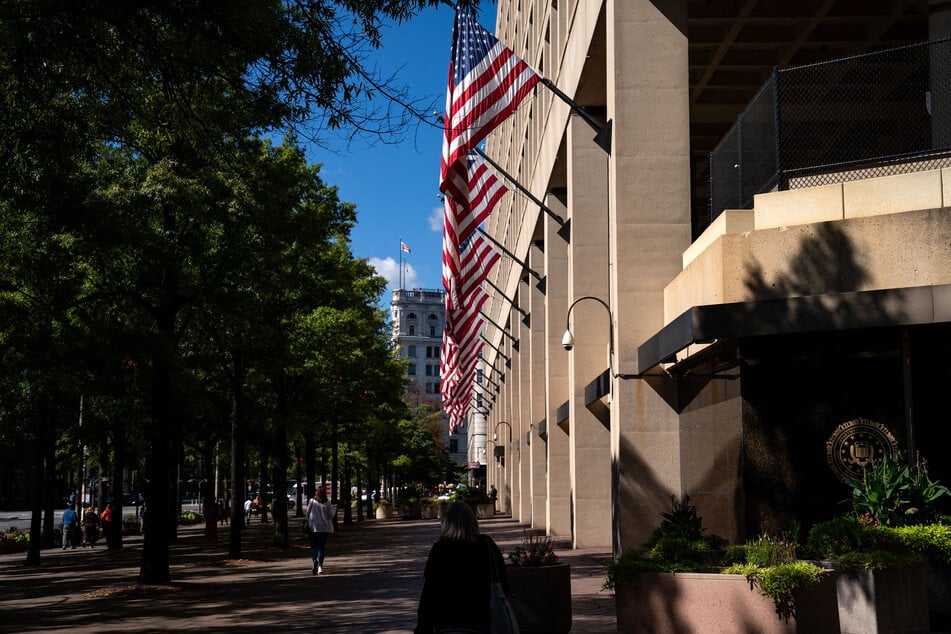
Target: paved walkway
372, 580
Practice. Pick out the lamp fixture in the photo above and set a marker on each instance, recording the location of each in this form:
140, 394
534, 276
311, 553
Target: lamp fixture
568, 339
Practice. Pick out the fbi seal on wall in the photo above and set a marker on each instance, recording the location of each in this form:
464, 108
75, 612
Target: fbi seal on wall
857, 444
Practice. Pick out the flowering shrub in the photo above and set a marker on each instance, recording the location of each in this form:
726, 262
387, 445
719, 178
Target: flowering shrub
13, 540
534, 551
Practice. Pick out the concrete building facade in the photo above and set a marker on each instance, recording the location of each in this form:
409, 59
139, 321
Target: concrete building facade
744, 357
418, 317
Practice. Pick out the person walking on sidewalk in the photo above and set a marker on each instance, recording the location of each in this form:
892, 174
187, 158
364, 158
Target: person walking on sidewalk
70, 526
320, 514
90, 527
460, 548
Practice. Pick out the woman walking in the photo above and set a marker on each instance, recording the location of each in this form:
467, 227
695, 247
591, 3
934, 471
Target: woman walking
460, 548
320, 514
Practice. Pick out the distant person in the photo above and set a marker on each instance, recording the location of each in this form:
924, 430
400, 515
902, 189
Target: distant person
460, 548
90, 527
70, 526
247, 512
108, 529
320, 516
211, 520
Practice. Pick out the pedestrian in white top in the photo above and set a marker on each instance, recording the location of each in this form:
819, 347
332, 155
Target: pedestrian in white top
320, 514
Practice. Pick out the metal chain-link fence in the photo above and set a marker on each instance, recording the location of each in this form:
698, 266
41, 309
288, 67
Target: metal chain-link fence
877, 114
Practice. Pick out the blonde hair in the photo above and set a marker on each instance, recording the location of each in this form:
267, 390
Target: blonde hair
459, 523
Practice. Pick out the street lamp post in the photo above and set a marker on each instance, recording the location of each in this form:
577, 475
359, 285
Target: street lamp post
503, 487
568, 339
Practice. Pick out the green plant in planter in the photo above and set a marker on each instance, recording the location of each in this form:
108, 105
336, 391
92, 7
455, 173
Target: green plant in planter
893, 494
770, 565
862, 543
780, 582
535, 550
678, 545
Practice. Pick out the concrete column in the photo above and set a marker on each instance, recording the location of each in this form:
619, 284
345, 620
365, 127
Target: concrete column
501, 431
516, 471
526, 442
588, 276
648, 101
556, 370
535, 336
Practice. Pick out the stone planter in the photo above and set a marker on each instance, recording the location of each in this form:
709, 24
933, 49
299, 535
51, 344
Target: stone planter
541, 598
384, 512
891, 600
441, 509
698, 602
412, 511
429, 511
484, 511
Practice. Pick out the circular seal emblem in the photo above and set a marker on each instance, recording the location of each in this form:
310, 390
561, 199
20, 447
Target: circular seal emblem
857, 444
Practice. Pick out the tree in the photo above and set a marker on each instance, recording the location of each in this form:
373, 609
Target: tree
125, 132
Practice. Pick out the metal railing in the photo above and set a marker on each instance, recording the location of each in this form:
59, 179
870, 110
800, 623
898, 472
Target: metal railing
881, 113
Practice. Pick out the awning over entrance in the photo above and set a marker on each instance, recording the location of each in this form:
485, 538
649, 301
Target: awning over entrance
678, 374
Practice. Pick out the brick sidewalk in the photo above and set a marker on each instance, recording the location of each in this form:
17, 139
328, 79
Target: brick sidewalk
372, 580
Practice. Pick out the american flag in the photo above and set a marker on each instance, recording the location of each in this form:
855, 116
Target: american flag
487, 82
404, 246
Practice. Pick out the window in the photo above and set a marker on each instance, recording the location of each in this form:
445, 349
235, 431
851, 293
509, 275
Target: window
429, 370
479, 376
411, 316
412, 330
411, 351
411, 370
432, 331
429, 388
453, 445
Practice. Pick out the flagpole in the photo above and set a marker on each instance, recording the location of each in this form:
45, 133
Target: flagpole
538, 278
401, 261
564, 232
603, 136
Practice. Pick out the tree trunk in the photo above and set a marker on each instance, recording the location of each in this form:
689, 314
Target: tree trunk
299, 498
50, 501
159, 505
279, 505
310, 458
118, 486
36, 485
262, 484
238, 494
334, 467
345, 490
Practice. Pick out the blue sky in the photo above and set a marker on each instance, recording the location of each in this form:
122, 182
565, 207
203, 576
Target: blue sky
395, 187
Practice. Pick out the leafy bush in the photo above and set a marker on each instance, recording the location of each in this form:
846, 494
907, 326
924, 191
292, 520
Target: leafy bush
933, 541
14, 540
534, 551
189, 517
766, 551
470, 496
678, 545
862, 543
779, 582
893, 494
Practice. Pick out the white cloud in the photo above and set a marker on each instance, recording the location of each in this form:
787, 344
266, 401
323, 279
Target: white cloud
435, 219
389, 269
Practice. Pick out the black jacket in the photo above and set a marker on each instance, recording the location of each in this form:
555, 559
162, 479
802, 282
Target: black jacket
456, 585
